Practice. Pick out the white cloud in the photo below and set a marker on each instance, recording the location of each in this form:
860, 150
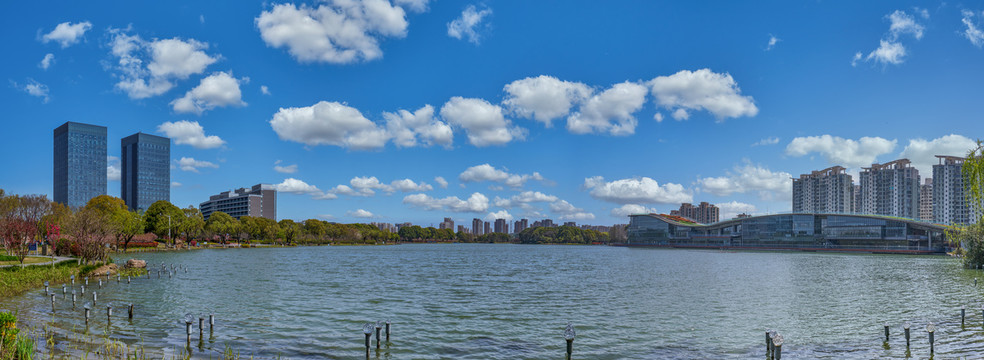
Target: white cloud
680, 114
365, 186
328, 123
265, 90
631, 209
284, 169
566, 211
46, 62
767, 141
501, 214
857, 57
190, 164
475, 203
412, 5
483, 122
337, 31
217, 90
544, 98
189, 133
703, 90
113, 172
440, 181
773, 40
923, 153
890, 49
295, 186
902, 23
464, 26
888, 52
407, 129
67, 33
839, 151
486, 172
973, 31
610, 111
34, 88
658, 117
730, 210
407, 185
360, 213
166, 60
524, 198
770, 185
175, 184
636, 190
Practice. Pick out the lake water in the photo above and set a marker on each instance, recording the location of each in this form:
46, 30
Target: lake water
479, 301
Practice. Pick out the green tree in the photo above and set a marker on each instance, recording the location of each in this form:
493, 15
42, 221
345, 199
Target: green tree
222, 224
971, 237
288, 230
162, 218
192, 223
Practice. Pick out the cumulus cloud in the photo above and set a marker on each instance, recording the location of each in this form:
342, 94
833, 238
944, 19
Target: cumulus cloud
770, 185
923, 153
702, 90
33, 88
407, 185
973, 31
544, 98
636, 190
566, 211
475, 203
190, 164
295, 186
217, 90
284, 169
501, 214
840, 151
408, 129
46, 62
190, 133
890, 48
523, 199
440, 181
730, 210
610, 111
631, 209
486, 172
67, 33
412, 5
483, 122
368, 185
336, 31
773, 40
166, 60
113, 172
328, 123
265, 90
360, 213
465, 25
767, 141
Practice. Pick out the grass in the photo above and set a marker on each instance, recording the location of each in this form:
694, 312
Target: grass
12, 260
15, 280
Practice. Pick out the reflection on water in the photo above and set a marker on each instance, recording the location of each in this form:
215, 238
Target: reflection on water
476, 301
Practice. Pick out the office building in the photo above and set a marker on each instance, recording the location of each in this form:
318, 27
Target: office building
950, 203
890, 189
257, 201
145, 175
926, 200
704, 213
79, 163
477, 227
827, 191
448, 223
501, 226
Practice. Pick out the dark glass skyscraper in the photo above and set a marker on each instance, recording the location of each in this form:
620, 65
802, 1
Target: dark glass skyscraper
145, 176
79, 163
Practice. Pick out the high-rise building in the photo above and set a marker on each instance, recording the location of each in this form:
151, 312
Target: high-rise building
926, 200
79, 163
570, 223
145, 175
856, 206
501, 226
448, 223
257, 201
950, 205
477, 227
521, 225
544, 223
890, 189
461, 229
828, 191
487, 228
705, 213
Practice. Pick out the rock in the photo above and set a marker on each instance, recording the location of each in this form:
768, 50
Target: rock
105, 270
134, 263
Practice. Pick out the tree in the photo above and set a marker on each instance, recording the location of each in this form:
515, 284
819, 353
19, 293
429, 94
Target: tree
220, 223
192, 223
162, 218
89, 230
288, 230
971, 236
33, 209
122, 223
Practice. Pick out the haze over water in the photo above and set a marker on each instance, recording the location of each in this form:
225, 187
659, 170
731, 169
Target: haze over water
478, 301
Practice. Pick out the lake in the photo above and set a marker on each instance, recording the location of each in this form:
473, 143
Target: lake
486, 301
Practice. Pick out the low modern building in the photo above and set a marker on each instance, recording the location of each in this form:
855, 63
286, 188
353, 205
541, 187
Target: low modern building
797, 231
258, 201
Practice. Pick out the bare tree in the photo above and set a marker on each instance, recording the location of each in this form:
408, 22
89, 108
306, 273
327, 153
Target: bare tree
89, 232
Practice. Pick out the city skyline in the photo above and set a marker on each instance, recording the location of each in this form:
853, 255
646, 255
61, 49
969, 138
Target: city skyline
518, 112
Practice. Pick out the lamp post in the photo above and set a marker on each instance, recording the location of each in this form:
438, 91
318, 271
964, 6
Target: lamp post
169, 228
777, 343
931, 328
379, 327
569, 336
367, 330
905, 327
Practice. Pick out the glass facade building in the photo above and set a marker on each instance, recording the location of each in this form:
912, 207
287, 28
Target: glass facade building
831, 232
146, 170
79, 163
257, 201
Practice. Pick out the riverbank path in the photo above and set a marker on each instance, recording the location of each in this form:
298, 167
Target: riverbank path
57, 259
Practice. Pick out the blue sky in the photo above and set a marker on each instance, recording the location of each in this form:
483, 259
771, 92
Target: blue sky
415, 110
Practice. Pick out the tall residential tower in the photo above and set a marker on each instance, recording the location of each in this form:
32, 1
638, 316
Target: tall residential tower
79, 163
890, 189
828, 191
146, 170
950, 204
